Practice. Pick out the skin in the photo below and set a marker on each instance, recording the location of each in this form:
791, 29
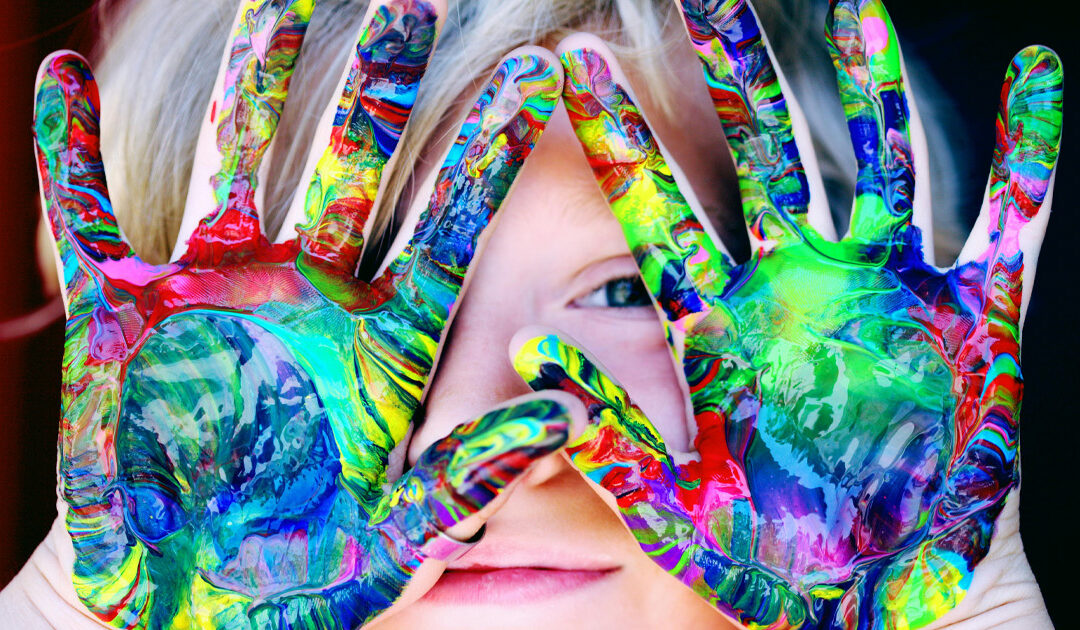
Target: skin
554, 517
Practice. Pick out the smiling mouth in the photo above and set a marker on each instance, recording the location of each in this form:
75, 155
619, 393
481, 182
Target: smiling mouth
511, 585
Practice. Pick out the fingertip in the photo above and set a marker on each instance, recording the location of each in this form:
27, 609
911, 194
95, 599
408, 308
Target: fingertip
1039, 69
579, 40
1039, 51
1030, 117
436, 8
590, 65
67, 75
838, 19
1037, 80
551, 364
527, 341
542, 358
582, 46
538, 74
864, 44
61, 59
564, 414
66, 122
866, 16
541, 55
526, 85
428, 13
420, 24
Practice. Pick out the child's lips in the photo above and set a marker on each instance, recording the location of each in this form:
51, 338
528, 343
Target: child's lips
510, 585
514, 571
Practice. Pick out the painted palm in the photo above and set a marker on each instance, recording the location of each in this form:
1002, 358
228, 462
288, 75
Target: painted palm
228, 418
855, 407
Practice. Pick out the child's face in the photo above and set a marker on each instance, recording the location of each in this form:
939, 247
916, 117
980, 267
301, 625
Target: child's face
556, 554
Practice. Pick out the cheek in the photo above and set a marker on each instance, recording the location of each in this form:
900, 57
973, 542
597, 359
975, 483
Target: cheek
635, 353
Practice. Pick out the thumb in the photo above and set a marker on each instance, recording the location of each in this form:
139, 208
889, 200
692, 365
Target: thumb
460, 481
460, 475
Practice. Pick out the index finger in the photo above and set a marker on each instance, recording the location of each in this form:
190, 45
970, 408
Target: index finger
680, 262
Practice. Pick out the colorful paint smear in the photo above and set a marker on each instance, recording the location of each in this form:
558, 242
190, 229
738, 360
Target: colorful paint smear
746, 92
228, 419
855, 408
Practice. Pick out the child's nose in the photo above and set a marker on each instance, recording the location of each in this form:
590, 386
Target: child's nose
474, 373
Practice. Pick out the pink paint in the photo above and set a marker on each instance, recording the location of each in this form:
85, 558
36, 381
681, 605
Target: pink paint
876, 34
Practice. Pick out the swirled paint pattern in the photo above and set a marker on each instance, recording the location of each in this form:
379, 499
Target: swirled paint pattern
866, 53
260, 61
855, 408
746, 91
228, 419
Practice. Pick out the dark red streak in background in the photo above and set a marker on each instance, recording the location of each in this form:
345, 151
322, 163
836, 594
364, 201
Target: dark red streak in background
31, 326
967, 44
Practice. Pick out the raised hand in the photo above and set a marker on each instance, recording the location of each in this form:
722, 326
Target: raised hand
229, 417
855, 407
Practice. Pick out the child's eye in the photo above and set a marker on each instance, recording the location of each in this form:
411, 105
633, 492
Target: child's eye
626, 292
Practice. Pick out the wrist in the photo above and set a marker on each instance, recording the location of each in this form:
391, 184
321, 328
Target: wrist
41, 595
1004, 592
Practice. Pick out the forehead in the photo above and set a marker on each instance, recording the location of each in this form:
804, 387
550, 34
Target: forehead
556, 209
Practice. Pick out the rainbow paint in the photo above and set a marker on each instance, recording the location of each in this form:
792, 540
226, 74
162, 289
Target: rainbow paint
856, 409
227, 419
866, 53
747, 96
258, 69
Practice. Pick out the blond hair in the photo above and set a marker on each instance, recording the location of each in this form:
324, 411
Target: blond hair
159, 59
